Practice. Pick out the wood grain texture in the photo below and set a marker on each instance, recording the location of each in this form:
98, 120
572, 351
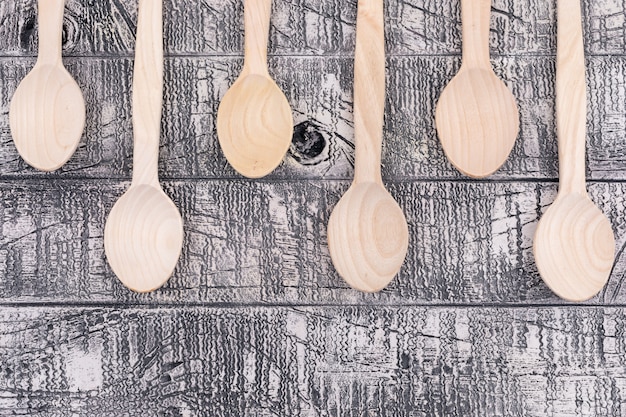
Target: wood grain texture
254, 122
320, 92
47, 113
311, 27
574, 245
397, 362
143, 235
476, 116
54, 251
367, 231
255, 320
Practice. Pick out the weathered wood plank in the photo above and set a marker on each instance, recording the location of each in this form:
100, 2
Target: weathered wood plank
396, 362
320, 91
255, 321
265, 242
311, 27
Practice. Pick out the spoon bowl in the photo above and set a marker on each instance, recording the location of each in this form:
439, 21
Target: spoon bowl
47, 117
47, 113
368, 235
477, 118
254, 122
477, 122
254, 125
369, 219
574, 247
143, 238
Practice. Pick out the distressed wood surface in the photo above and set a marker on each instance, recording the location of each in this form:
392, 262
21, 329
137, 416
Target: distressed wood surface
265, 242
311, 27
319, 91
255, 321
369, 361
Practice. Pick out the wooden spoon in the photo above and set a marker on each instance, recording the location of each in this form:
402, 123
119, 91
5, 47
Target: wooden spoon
254, 123
367, 232
476, 117
143, 236
574, 245
47, 114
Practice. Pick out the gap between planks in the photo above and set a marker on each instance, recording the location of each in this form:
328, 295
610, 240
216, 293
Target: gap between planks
155, 305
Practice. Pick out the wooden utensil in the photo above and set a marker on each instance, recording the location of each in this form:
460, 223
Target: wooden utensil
367, 231
574, 245
47, 114
254, 123
143, 236
477, 118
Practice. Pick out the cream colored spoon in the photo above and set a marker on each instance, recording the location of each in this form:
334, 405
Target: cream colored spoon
47, 114
367, 231
477, 118
574, 245
254, 122
143, 235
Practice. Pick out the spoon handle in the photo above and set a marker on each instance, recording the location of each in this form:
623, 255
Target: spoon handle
50, 21
571, 99
257, 28
369, 90
148, 92
475, 15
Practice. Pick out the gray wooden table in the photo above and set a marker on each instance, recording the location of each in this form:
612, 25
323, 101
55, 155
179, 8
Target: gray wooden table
255, 321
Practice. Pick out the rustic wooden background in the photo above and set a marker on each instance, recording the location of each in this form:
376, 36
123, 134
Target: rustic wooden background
255, 322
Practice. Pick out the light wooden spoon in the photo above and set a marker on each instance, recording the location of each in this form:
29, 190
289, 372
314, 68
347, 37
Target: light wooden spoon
143, 235
367, 230
477, 118
254, 122
574, 245
47, 114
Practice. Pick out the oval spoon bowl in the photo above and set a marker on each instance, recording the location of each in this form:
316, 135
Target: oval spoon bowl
574, 248
477, 121
143, 238
369, 219
47, 117
254, 122
254, 125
